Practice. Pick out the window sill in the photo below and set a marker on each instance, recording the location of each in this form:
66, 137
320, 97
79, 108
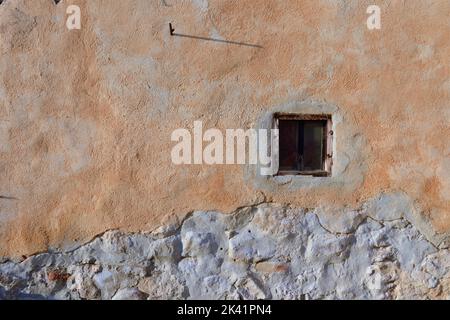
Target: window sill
315, 173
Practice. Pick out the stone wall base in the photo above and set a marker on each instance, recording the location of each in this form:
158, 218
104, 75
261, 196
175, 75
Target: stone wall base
264, 252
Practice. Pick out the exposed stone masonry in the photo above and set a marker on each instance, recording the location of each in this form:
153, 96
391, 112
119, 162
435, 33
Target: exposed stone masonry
263, 252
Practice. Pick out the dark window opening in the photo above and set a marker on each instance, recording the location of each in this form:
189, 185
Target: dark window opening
305, 145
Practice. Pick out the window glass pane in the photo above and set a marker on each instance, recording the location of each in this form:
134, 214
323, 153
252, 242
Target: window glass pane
312, 155
288, 144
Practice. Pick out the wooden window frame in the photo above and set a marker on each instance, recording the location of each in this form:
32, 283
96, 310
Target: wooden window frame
327, 143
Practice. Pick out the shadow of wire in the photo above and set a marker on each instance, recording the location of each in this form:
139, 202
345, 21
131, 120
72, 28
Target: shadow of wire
8, 198
217, 40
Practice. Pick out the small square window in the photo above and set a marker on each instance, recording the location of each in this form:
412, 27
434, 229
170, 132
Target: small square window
305, 144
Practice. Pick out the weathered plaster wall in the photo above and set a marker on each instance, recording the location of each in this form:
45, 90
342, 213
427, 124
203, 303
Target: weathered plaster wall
86, 116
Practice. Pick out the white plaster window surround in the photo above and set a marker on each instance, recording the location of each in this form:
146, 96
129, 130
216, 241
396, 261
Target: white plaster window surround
348, 148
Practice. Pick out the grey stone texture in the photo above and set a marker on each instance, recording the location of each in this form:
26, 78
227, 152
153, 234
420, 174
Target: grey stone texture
267, 251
